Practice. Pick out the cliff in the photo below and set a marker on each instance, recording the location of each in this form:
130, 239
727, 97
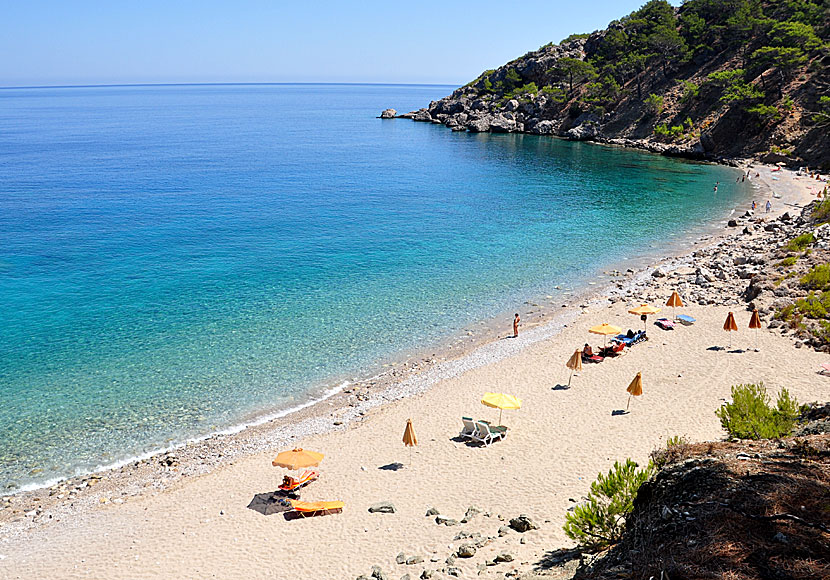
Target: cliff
712, 79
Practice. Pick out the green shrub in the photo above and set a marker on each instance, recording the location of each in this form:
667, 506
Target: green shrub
654, 104
800, 243
690, 91
785, 313
675, 441
601, 520
818, 278
813, 306
788, 261
821, 212
765, 112
749, 415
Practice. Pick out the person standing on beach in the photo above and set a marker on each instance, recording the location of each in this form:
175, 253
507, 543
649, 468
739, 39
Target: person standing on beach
754, 205
516, 321
769, 206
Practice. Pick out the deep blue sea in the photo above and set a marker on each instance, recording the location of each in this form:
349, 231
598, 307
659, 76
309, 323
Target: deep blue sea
176, 259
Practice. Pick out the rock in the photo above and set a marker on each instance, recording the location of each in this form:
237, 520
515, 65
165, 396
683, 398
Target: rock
504, 557
427, 574
414, 560
432, 512
450, 561
454, 571
584, 132
511, 105
502, 124
658, 273
388, 114
423, 116
383, 507
732, 223
400, 558
478, 125
377, 573
503, 531
523, 523
439, 519
471, 512
405, 577
466, 551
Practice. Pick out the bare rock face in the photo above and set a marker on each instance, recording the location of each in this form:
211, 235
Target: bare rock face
388, 114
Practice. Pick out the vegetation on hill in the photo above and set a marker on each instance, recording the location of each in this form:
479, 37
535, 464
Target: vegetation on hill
731, 76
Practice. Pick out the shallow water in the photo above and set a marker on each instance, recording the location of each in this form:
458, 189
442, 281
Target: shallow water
175, 259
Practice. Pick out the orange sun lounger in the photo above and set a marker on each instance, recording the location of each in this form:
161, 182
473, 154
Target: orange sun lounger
317, 507
291, 483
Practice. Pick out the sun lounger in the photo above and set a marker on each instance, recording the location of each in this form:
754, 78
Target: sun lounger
486, 434
306, 477
664, 323
469, 428
316, 508
613, 349
685, 320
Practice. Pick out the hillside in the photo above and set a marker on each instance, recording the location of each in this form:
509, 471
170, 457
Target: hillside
712, 79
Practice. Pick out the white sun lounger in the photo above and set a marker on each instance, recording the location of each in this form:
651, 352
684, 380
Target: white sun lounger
469, 428
486, 435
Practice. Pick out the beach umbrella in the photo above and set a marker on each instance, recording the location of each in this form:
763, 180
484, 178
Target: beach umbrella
409, 438
574, 363
605, 330
643, 310
501, 402
297, 459
755, 323
635, 389
730, 326
674, 301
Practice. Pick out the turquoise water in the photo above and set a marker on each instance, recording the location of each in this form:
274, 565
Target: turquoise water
176, 259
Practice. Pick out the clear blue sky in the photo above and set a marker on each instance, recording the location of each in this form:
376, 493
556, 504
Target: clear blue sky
48, 42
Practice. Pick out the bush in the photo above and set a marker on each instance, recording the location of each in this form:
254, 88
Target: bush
788, 261
821, 212
765, 112
690, 91
663, 130
818, 278
601, 520
800, 243
654, 104
749, 415
813, 306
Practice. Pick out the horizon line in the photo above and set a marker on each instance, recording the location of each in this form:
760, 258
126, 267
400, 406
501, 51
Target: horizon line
207, 84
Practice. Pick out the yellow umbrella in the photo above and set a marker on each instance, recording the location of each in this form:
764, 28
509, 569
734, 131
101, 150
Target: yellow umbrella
297, 459
635, 389
409, 438
501, 401
644, 310
674, 301
606, 330
730, 326
755, 323
574, 363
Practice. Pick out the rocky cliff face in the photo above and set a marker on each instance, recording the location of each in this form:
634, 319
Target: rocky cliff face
708, 80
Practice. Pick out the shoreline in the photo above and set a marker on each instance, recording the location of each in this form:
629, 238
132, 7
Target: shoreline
387, 372
34, 514
370, 390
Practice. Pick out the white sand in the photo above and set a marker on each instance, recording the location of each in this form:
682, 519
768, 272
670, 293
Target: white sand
558, 441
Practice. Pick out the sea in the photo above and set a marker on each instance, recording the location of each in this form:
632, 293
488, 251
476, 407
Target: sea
180, 260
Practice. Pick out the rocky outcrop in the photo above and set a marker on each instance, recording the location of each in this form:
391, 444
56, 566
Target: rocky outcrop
542, 94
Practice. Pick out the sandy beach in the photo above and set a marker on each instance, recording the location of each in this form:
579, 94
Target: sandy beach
185, 514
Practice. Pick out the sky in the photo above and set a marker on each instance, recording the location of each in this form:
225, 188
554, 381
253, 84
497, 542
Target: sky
58, 42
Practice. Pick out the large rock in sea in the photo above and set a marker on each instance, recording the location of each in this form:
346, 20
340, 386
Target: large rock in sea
388, 114
502, 124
